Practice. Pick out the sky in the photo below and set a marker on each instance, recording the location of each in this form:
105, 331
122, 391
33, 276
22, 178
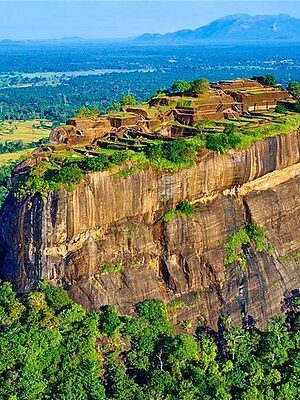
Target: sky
120, 19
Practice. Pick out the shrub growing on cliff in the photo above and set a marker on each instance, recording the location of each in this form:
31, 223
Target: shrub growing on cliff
229, 139
66, 177
179, 150
173, 154
297, 106
5, 181
185, 209
119, 157
281, 109
217, 142
257, 237
234, 246
99, 163
222, 142
46, 177
104, 162
111, 268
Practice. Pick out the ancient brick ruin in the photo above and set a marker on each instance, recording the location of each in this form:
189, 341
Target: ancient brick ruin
174, 115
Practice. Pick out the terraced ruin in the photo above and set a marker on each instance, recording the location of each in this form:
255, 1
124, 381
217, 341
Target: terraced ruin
222, 115
177, 115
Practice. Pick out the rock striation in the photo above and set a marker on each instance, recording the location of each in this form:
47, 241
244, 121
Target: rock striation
107, 220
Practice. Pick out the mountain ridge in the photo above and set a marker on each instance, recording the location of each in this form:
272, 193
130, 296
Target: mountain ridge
235, 28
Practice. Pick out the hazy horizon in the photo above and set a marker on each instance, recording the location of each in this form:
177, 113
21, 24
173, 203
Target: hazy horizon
56, 19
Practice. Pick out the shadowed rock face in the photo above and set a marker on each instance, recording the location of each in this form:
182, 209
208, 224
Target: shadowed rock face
107, 220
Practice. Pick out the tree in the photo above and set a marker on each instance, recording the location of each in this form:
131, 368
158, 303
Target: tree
179, 150
128, 101
119, 384
297, 106
10, 308
47, 347
200, 86
109, 321
181, 86
266, 80
51, 347
68, 175
88, 112
159, 385
230, 129
115, 107
294, 88
281, 109
184, 347
270, 80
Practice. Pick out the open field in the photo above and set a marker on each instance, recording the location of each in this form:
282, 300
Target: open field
7, 158
27, 131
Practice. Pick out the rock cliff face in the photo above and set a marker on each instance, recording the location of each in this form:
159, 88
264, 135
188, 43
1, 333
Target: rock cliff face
68, 237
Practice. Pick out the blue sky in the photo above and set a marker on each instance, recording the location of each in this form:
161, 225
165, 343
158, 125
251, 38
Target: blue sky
115, 19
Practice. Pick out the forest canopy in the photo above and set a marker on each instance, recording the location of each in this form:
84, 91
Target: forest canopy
51, 348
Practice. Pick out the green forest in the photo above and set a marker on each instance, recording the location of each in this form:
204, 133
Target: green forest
51, 348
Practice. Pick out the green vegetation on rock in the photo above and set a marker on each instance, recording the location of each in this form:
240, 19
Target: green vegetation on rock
181, 86
111, 268
251, 234
294, 88
266, 80
185, 209
281, 109
46, 177
233, 139
128, 101
88, 112
5, 181
198, 86
65, 171
173, 155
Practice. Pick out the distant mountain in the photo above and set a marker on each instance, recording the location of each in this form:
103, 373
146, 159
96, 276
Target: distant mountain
70, 39
11, 42
238, 28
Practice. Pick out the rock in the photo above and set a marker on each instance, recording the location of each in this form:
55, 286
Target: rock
68, 237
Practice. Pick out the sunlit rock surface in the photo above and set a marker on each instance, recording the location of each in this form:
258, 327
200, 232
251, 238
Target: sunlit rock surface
68, 237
